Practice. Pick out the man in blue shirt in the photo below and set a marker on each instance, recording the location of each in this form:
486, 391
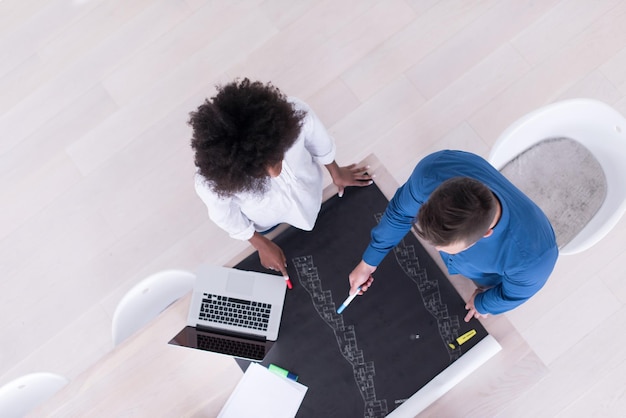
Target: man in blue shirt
482, 225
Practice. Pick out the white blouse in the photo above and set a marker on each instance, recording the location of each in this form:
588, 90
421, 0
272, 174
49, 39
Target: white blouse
294, 197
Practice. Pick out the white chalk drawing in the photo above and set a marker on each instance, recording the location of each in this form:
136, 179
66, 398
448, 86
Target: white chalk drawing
346, 338
364, 372
448, 325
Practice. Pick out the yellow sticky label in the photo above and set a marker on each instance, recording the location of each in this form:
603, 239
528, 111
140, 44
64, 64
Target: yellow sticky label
463, 338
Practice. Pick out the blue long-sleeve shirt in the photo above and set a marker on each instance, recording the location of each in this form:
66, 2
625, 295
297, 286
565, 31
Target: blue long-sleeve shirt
516, 259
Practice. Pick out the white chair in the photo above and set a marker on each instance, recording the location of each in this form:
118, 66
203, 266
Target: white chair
20, 396
582, 164
147, 299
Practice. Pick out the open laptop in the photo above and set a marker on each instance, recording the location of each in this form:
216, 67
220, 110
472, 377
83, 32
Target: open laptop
233, 312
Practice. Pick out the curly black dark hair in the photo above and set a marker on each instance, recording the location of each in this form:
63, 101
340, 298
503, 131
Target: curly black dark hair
244, 129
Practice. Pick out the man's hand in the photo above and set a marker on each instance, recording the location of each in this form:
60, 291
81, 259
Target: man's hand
472, 312
349, 176
361, 276
272, 257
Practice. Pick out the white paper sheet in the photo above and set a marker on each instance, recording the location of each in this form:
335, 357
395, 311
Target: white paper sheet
263, 394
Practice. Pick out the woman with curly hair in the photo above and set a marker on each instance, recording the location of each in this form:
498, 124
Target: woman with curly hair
258, 155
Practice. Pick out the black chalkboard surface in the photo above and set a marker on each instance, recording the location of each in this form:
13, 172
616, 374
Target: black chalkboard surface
388, 343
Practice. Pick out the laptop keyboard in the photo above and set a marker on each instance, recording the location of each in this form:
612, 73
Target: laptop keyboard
230, 347
239, 312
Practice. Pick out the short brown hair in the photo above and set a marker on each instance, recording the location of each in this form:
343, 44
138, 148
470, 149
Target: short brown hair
460, 209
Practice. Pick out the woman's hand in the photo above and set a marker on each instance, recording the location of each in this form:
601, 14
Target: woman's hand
272, 257
349, 176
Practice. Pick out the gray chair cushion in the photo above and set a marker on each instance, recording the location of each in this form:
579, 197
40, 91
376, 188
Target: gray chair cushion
564, 179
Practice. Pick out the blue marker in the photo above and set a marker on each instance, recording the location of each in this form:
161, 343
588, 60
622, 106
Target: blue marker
349, 299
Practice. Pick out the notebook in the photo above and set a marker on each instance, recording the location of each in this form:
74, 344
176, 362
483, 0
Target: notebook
262, 394
233, 312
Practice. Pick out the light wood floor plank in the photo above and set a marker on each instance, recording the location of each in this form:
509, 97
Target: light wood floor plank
333, 102
207, 25
411, 43
594, 85
615, 68
574, 372
45, 22
595, 44
607, 398
85, 73
453, 105
473, 43
565, 21
371, 121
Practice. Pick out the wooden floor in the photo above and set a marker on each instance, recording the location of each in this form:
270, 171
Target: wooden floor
96, 173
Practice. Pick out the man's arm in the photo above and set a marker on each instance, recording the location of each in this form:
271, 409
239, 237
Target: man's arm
517, 287
393, 226
395, 222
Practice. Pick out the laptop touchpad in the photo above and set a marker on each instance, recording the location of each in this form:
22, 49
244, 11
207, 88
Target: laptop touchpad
240, 283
